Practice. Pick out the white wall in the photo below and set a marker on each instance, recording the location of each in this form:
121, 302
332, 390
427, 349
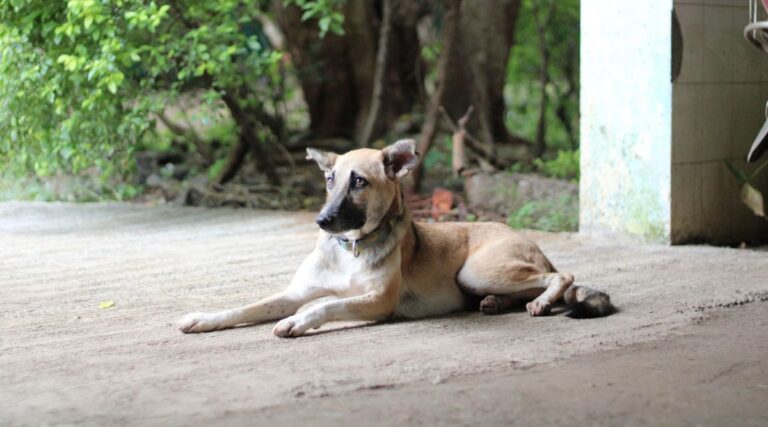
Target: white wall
626, 116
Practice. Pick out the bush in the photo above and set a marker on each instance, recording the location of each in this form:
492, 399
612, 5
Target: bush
564, 166
80, 78
559, 215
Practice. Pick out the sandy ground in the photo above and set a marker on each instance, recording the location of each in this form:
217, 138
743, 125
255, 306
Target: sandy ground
687, 347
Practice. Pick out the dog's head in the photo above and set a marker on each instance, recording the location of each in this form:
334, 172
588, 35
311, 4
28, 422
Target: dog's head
361, 185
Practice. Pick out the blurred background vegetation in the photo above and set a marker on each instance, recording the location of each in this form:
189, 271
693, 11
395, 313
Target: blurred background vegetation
214, 102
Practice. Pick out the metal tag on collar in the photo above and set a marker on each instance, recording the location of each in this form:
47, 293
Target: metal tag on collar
355, 251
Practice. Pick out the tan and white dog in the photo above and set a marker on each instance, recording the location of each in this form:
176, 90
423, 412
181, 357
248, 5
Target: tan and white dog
378, 263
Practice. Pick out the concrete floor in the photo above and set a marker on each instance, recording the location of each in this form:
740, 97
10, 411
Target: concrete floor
687, 347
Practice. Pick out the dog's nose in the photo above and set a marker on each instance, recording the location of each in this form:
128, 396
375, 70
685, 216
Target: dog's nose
324, 220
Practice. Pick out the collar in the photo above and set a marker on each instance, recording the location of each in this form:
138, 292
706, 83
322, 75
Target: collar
375, 237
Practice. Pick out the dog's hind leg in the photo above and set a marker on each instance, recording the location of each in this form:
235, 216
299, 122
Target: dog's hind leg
497, 304
482, 275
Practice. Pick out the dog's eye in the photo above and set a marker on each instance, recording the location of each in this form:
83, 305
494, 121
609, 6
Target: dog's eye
360, 182
329, 181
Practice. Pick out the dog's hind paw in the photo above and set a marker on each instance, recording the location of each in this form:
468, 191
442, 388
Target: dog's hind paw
539, 307
199, 322
490, 305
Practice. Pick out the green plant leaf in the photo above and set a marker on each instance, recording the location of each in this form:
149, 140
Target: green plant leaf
741, 176
753, 198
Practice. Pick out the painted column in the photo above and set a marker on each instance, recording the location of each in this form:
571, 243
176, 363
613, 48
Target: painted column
626, 118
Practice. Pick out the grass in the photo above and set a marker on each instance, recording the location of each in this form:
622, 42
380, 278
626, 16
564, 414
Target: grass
560, 215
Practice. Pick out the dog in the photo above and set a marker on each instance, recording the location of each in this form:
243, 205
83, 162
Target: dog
378, 263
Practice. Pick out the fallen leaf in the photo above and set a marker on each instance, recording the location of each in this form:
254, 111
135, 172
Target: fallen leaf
442, 201
106, 304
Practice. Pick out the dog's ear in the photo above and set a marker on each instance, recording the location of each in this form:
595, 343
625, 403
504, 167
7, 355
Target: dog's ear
400, 158
324, 159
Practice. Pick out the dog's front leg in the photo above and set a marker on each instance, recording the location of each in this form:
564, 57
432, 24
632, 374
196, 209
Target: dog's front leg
371, 306
305, 286
273, 307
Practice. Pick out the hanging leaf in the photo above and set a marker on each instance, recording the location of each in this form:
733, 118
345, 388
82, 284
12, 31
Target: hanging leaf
753, 199
741, 176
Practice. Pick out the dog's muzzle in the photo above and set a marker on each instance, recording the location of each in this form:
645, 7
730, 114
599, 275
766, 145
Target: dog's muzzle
342, 217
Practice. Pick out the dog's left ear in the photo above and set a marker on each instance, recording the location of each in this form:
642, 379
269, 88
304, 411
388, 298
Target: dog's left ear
400, 158
324, 159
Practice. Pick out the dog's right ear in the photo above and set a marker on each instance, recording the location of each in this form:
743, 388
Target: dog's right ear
324, 159
400, 158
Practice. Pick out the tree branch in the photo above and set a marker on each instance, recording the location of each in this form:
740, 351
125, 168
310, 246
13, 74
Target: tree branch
473, 143
188, 133
458, 141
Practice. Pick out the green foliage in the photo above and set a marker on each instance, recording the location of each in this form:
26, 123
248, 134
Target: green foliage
564, 166
80, 78
82, 188
225, 133
327, 12
216, 169
440, 154
523, 89
560, 215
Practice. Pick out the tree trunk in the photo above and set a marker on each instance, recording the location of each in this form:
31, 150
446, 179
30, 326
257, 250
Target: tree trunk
428, 129
569, 69
235, 160
540, 145
247, 139
378, 75
337, 73
477, 69
542, 19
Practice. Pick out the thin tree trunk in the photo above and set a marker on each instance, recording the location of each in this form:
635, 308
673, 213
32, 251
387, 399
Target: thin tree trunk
541, 128
562, 112
378, 75
234, 161
541, 24
263, 158
247, 140
430, 122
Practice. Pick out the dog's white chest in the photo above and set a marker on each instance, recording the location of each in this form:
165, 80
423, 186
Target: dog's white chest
348, 281
358, 283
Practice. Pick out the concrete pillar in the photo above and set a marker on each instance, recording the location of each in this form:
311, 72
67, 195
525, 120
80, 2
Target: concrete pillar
654, 145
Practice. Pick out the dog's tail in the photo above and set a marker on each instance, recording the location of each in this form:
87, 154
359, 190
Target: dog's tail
585, 302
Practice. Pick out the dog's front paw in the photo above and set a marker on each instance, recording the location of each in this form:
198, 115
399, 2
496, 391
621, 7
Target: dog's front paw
539, 307
199, 322
292, 327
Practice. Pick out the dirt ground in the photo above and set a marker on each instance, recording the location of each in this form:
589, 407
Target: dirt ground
687, 347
